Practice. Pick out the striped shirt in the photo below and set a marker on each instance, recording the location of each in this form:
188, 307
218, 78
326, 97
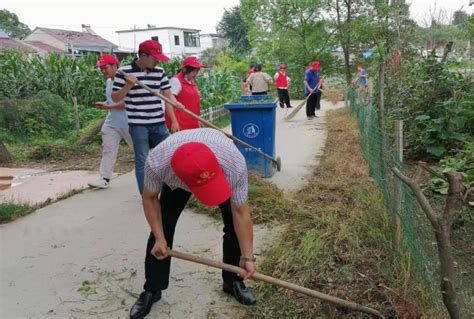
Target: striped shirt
158, 168
143, 108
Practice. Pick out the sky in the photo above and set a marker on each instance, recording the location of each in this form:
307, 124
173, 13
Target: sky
108, 16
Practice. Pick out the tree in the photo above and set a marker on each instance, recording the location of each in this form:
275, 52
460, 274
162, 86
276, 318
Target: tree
233, 27
460, 18
10, 23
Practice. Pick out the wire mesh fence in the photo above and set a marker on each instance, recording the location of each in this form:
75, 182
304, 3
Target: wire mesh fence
381, 155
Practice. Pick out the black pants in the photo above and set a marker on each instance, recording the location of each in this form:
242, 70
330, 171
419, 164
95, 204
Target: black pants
313, 103
157, 272
283, 97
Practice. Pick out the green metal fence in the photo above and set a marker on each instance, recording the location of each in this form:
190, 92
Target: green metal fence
380, 154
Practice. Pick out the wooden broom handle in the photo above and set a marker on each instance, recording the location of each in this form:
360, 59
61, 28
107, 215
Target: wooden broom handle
198, 118
309, 292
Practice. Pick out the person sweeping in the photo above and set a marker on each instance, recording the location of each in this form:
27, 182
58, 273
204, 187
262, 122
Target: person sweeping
205, 163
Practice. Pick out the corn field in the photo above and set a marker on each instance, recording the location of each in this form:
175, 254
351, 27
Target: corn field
34, 89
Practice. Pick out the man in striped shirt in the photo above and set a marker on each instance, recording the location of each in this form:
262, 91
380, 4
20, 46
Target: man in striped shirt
145, 111
206, 163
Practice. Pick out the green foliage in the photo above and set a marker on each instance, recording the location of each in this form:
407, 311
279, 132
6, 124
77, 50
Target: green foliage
217, 88
24, 76
437, 106
461, 162
11, 24
233, 27
11, 211
45, 114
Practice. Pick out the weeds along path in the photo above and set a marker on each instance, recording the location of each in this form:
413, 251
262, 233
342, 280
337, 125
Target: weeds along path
83, 257
339, 241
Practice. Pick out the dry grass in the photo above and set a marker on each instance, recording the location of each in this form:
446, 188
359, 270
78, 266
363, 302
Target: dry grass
339, 242
267, 203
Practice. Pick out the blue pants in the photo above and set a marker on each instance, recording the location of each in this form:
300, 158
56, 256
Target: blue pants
145, 138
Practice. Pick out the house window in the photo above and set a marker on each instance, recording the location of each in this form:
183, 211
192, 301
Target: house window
214, 43
176, 40
155, 38
191, 39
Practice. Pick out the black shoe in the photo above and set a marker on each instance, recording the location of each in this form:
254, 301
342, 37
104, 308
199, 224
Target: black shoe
289, 107
142, 306
240, 292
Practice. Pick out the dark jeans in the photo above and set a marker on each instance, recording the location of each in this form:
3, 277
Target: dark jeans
283, 97
157, 272
144, 139
313, 103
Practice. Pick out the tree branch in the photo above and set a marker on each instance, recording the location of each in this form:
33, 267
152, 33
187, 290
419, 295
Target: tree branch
425, 205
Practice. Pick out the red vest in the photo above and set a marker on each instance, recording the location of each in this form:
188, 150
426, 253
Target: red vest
282, 81
191, 99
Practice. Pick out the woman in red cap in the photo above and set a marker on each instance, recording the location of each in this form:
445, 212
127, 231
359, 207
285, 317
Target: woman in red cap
282, 81
183, 86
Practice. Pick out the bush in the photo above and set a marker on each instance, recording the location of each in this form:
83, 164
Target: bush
46, 114
437, 106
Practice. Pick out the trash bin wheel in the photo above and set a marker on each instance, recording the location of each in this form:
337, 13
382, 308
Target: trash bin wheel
278, 163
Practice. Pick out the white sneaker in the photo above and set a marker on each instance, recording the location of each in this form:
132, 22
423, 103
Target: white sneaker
100, 183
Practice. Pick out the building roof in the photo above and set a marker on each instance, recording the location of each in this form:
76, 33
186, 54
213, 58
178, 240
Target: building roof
160, 28
12, 44
77, 38
43, 46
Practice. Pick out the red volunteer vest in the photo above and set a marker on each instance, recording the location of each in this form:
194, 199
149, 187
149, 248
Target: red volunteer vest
191, 99
282, 80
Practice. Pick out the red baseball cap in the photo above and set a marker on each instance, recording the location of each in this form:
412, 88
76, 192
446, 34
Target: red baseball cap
315, 65
107, 59
192, 61
154, 49
197, 166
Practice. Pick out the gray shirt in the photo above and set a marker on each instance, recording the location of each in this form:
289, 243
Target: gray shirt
115, 118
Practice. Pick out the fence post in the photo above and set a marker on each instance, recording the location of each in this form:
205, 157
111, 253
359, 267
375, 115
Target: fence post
398, 183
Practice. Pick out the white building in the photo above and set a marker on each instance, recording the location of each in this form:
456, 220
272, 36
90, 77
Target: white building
212, 40
175, 41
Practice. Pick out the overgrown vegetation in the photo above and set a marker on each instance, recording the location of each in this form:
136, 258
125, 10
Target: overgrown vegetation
436, 105
339, 241
38, 119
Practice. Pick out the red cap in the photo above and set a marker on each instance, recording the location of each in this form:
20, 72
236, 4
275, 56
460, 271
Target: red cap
192, 61
154, 49
107, 59
282, 66
315, 65
197, 166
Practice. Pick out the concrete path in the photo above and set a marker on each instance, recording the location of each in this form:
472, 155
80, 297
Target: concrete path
82, 257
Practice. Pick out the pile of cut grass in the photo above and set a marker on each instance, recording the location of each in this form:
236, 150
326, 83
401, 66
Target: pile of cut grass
266, 202
339, 241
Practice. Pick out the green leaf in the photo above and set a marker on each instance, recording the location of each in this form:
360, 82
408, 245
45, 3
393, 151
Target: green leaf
423, 117
436, 150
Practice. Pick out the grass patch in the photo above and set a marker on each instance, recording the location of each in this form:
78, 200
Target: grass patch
266, 201
11, 211
339, 241
222, 121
